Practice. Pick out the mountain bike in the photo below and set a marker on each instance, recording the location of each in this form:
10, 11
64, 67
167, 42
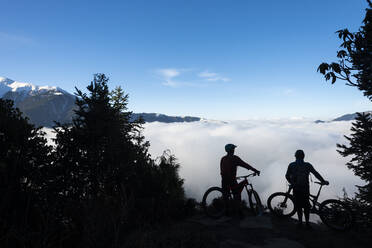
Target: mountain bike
334, 213
215, 205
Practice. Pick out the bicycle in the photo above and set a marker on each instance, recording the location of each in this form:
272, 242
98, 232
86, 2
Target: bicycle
215, 205
334, 213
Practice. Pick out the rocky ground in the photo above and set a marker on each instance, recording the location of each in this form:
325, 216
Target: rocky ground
268, 231
251, 232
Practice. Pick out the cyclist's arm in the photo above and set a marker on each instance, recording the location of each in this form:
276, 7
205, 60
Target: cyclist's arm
288, 175
316, 174
246, 165
221, 168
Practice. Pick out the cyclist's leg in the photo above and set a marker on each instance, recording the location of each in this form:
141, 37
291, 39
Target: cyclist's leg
299, 214
225, 183
237, 189
298, 197
306, 205
225, 188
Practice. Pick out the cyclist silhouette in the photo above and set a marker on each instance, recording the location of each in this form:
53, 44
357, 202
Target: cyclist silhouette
228, 167
298, 176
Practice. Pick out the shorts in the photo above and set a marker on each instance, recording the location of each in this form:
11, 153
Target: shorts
301, 197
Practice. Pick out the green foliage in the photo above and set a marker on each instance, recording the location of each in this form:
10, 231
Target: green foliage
360, 149
354, 65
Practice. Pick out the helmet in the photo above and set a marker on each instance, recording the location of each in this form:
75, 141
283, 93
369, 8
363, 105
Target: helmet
300, 154
229, 147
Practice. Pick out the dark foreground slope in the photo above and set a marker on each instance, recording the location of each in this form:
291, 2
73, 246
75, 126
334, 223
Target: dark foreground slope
251, 232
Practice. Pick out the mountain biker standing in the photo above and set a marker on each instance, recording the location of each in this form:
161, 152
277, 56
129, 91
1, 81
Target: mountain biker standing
228, 168
298, 176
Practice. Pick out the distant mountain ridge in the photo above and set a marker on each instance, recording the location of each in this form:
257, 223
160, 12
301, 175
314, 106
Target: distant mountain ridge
349, 117
152, 117
45, 104
346, 117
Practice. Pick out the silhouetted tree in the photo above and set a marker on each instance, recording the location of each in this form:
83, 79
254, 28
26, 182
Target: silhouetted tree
24, 169
106, 179
360, 148
355, 67
355, 57
93, 187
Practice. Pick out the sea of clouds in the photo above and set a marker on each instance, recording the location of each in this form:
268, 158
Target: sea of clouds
268, 145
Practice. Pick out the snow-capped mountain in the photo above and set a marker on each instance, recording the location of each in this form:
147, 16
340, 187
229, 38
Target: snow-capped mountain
41, 104
26, 89
45, 104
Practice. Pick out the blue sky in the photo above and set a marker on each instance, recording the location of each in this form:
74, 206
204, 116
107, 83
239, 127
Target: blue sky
215, 59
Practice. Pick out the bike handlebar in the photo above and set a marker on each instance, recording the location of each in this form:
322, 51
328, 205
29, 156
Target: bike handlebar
322, 183
249, 175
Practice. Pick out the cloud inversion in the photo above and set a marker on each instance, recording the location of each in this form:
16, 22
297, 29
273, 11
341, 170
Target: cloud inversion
267, 145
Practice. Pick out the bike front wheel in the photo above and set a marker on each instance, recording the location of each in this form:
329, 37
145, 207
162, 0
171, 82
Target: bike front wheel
213, 202
255, 203
281, 204
335, 214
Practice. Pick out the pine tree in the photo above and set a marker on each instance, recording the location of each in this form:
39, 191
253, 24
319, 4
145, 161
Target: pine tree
105, 178
355, 67
24, 172
360, 149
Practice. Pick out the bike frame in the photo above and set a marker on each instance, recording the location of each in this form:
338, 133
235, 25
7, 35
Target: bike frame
246, 183
313, 199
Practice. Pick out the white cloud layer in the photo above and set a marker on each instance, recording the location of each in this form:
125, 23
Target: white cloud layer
267, 145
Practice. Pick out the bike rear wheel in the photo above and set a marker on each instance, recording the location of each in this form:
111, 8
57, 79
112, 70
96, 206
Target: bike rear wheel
281, 204
255, 203
213, 202
335, 214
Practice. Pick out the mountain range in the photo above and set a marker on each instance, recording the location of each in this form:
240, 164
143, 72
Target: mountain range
45, 104
349, 117
346, 117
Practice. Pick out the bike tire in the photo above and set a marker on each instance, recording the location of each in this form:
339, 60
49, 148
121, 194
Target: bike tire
213, 202
255, 203
279, 207
336, 215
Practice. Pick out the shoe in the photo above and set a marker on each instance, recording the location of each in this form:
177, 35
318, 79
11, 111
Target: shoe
299, 225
